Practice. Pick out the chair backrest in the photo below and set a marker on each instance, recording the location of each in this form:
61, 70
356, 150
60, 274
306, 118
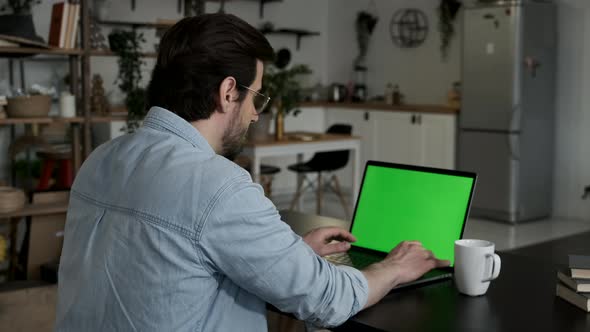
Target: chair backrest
333, 160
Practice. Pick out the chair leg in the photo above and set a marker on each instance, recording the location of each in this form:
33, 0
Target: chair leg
297, 195
319, 195
266, 182
341, 196
269, 188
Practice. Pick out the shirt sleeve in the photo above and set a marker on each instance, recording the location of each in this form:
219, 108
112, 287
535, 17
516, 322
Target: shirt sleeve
244, 238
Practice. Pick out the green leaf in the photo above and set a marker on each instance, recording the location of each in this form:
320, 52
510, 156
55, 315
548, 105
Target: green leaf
283, 87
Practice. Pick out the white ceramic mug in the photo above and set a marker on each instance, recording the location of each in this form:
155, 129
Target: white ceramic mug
476, 265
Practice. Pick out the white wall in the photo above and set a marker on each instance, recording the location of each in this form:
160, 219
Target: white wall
421, 73
572, 160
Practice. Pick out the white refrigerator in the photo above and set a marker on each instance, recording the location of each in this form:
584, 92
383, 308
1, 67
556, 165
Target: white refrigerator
506, 123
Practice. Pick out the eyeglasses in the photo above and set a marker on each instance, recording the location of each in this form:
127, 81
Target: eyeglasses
260, 100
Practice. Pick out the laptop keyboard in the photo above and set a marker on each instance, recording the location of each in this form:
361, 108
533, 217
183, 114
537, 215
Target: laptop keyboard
355, 259
339, 259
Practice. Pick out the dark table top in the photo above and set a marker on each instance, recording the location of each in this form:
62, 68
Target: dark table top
521, 299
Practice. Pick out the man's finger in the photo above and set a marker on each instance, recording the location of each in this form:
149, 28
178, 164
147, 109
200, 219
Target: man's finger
442, 263
339, 234
335, 248
346, 236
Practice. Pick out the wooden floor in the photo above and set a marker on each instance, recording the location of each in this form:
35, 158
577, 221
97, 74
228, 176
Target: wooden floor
33, 309
29, 309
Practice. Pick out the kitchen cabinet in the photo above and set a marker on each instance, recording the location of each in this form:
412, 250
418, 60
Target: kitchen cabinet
416, 138
362, 126
436, 140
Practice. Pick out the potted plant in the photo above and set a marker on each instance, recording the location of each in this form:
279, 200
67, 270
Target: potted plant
127, 46
283, 86
447, 12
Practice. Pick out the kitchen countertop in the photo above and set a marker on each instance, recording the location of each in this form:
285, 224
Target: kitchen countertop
379, 106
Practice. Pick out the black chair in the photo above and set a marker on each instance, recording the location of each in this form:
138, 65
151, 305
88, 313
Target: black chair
267, 173
323, 162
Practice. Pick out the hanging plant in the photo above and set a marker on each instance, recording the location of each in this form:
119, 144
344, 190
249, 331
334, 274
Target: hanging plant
127, 46
447, 12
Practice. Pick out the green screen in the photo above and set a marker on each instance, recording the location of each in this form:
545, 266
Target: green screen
397, 205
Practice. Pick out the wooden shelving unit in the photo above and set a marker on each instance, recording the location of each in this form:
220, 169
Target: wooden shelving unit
15, 51
110, 53
80, 71
35, 210
111, 118
47, 120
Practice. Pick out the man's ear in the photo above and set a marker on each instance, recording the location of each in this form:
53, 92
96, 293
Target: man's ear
228, 93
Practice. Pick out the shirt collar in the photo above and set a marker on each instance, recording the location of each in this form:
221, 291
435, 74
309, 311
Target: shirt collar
162, 119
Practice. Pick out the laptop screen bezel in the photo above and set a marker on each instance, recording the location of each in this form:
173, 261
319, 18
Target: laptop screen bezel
443, 171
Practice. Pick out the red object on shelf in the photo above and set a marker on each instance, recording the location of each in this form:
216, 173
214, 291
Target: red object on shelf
65, 175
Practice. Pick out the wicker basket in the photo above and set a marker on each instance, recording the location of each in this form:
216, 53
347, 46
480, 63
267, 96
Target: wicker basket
11, 199
36, 106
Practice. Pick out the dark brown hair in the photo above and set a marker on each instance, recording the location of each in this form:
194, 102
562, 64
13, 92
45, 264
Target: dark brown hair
196, 55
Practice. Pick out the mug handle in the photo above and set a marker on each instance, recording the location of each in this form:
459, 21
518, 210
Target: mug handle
496, 265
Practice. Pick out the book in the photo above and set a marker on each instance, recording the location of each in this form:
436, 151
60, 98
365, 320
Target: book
580, 273
578, 285
580, 300
76, 24
69, 25
579, 261
58, 24
6, 43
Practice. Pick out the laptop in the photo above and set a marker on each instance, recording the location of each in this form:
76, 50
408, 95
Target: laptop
403, 202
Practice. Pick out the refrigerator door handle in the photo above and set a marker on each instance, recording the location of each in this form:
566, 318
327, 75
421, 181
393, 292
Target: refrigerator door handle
513, 146
516, 118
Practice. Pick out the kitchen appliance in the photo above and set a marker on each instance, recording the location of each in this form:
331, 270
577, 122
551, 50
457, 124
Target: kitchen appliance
359, 93
506, 123
338, 92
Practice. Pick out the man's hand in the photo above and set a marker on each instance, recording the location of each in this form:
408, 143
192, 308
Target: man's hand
407, 262
320, 240
412, 260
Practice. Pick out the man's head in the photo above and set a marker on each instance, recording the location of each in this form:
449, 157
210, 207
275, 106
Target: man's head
209, 67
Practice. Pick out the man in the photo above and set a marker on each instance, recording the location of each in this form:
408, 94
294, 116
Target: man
165, 233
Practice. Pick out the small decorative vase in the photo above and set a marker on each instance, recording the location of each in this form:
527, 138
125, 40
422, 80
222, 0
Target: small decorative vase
279, 125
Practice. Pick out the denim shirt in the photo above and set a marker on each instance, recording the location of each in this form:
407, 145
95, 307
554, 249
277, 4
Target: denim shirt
163, 234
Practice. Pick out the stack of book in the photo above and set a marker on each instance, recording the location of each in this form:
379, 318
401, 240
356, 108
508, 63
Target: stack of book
63, 28
574, 282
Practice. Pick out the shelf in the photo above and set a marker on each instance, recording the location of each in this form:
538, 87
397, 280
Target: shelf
12, 121
13, 51
110, 53
36, 209
99, 119
261, 4
156, 25
79, 119
299, 33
